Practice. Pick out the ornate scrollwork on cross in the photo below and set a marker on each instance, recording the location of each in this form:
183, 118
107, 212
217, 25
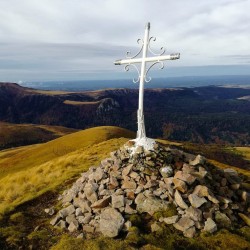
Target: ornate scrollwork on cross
148, 78
138, 53
127, 68
163, 50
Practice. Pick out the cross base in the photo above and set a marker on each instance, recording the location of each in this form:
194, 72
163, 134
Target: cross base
146, 143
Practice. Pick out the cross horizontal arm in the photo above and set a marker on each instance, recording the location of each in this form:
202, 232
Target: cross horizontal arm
148, 59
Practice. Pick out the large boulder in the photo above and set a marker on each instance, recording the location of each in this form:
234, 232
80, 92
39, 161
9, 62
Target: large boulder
111, 222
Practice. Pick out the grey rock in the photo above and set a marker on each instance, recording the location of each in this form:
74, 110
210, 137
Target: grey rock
222, 220
178, 199
171, 220
111, 222
194, 213
62, 224
88, 229
184, 223
190, 232
166, 171
104, 202
78, 211
73, 226
71, 218
196, 201
117, 201
129, 210
151, 205
210, 226
49, 211
55, 220
198, 160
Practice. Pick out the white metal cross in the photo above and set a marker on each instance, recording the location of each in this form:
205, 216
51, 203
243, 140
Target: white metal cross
141, 138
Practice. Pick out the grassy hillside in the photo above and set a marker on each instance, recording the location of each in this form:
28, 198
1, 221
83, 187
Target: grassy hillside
25, 158
15, 135
33, 176
28, 172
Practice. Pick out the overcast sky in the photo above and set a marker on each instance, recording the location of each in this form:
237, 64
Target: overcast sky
79, 39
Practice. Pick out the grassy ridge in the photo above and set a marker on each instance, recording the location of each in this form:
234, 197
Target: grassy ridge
15, 135
25, 158
36, 169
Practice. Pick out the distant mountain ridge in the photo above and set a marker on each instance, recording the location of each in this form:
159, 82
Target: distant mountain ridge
204, 114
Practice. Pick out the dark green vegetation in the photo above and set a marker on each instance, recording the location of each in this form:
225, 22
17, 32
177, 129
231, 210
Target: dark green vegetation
203, 115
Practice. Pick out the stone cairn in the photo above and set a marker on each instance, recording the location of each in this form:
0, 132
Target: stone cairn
206, 198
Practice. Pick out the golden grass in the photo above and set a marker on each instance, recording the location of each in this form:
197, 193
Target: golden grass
223, 166
49, 92
25, 158
30, 183
245, 151
69, 102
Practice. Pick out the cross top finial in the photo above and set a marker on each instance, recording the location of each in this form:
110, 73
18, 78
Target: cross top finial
141, 138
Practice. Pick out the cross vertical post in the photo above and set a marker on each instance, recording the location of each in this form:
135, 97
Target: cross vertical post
141, 133
141, 139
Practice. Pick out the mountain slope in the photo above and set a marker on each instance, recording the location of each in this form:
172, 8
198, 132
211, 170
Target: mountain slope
33, 170
15, 135
203, 115
15, 160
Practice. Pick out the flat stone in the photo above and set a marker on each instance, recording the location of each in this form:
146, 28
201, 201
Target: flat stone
190, 232
245, 218
78, 211
68, 198
133, 175
88, 229
111, 222
85, 219
196, 201
180, 185
127, 170
171, 220
199, 160
127, 225
117, 201
222, 220
73, 226
194, 213
104, 202
188, 178
67, 211
151, 205
183, 224
62, 224
55, 220
71, 218
210, 226
98, 174
203, 191
129, 210
129, 185
178, 199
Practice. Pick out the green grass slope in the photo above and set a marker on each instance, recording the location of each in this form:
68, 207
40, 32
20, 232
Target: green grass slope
15, 135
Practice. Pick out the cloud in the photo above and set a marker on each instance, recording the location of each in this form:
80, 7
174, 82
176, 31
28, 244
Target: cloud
43, 39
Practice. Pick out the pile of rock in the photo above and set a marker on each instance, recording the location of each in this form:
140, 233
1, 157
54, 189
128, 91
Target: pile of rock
149, 181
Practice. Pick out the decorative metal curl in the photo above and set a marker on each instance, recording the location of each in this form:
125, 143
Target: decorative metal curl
126, 68
148, 79
128, 52
163, 50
